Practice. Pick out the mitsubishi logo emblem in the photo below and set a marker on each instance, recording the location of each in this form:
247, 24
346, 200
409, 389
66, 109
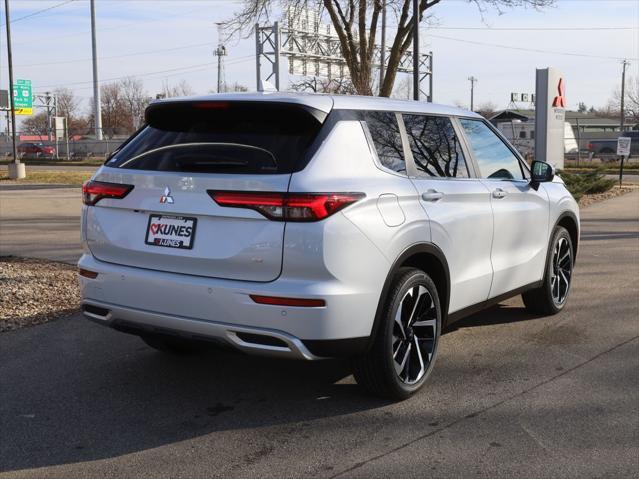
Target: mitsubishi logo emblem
166, 197
560, 99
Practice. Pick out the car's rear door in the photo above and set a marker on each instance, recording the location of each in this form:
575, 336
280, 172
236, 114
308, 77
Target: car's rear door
457, 205
188, 151
520, 212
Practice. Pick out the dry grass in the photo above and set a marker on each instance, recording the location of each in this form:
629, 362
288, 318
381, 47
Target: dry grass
34, 291
71, 178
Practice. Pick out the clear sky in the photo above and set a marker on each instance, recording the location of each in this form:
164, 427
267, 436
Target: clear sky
172, 40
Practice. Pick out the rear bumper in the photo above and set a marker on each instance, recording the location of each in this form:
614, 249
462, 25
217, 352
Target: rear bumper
213, 309
250, 340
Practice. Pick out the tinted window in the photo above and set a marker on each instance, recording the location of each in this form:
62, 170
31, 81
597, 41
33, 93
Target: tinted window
384, 131
435, 146
494, 158
221, 137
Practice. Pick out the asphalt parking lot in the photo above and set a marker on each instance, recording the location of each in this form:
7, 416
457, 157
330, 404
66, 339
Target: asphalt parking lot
512, 395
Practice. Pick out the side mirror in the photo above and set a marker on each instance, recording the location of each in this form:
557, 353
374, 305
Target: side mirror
542, 172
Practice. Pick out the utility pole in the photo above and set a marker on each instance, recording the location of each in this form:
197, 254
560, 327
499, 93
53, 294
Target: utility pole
17, 169
416, 50
472, 81
220, 52
97, 106
382, 52
622, 120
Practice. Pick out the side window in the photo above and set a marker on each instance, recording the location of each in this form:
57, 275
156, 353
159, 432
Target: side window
384, 131
435, 146
494, 158
522, 134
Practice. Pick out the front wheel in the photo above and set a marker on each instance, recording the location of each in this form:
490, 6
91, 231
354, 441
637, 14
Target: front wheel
405, 345
551, 296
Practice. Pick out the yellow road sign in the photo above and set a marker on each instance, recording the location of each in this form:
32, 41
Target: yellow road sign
24, 111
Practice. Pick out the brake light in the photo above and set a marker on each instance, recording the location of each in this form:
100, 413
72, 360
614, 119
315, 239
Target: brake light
590, 146
94, 191
287, 206
278, 301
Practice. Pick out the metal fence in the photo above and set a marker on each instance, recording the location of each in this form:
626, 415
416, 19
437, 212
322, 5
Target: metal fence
77, 149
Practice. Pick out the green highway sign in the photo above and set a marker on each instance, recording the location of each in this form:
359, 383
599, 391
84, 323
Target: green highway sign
23, 97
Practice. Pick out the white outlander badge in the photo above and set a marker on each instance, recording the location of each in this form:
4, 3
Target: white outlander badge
166, 197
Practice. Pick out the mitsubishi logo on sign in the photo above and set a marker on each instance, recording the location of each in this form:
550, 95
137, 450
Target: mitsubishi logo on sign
560, 99
550, 116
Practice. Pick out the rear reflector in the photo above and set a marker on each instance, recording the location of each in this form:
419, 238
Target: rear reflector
87, 274
277, 301
287, 206
94, 191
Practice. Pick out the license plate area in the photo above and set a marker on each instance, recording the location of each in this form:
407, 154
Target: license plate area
171, 231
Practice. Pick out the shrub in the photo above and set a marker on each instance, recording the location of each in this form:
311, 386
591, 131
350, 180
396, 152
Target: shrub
590, 183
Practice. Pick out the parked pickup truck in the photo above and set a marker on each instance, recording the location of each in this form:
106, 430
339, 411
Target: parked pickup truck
609, 146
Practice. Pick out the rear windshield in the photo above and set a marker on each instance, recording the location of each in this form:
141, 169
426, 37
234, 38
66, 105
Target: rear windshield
221, 137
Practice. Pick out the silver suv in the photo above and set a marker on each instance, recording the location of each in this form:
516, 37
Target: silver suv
311, 226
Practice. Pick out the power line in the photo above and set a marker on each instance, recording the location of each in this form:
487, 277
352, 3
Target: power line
533, 29
536, 50
201, 66
38, 12
148, 52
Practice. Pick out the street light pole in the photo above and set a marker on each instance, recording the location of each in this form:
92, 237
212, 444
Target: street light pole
382, 51
472, 81
416, 50
97, 106
7, 15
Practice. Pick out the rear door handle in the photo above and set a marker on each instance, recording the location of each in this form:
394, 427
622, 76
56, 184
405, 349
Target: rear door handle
432, 195
499, 193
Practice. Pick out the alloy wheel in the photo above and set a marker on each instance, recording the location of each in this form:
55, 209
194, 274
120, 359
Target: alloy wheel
414, 334
561, 271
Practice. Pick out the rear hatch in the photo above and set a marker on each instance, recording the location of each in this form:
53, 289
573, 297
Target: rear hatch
168, 220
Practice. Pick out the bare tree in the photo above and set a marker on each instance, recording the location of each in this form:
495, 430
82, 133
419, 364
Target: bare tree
337, 86
36, 124
136, 99
181, 89
356, 24
486, 109
69, 107
631, 103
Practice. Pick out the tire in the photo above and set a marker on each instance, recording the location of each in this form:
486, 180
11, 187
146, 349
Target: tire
552, 295
168, 344
380, 371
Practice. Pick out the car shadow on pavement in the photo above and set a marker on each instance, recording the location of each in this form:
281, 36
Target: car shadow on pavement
84, 392
92, 393
497, 314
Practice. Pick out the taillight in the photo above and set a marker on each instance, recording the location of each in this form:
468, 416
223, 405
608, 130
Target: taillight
94, 191
590, 146
287, 206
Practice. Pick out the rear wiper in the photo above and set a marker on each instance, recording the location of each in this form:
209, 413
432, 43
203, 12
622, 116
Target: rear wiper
190, 145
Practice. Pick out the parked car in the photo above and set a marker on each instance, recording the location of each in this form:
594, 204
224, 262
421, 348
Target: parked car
312, 226
609, 146
35, 150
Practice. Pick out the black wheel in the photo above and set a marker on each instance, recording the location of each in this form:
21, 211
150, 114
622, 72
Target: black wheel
169, 344
551, 296
405, 346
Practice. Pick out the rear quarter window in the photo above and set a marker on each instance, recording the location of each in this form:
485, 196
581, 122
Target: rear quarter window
222, 137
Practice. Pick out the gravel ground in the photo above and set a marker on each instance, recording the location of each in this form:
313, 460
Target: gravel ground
34, 291
587, 200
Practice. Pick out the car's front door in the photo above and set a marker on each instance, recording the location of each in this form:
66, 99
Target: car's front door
520, 240
457, 205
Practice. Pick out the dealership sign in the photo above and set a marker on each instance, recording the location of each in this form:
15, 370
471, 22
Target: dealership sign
550, 115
